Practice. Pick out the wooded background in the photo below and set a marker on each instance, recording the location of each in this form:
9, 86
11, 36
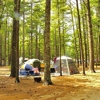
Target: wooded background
74, 29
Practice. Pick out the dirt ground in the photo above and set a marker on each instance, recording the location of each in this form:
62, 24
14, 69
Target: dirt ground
73, 87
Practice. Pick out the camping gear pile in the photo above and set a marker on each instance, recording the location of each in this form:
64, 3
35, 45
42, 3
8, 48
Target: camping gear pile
28, 67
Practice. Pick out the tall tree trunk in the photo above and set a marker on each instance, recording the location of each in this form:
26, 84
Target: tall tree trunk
9, 41
47, 77
17, 9
31, 34
23, 34
98, 15
59, 37
39, 44
84, 23
36, 49
91, 44
85, 44
5, 42
80, 37
56, 44
63, 38
15, 43
0, 49
1, 16
64, 49
99, 48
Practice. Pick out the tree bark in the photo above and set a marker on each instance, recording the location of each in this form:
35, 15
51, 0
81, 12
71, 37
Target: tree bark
80, 37
47, 77
23, 34
15, 43
91, 44
1, 16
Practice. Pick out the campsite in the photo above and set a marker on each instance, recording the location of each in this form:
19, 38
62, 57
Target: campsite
69, 87
68, 66
66, 32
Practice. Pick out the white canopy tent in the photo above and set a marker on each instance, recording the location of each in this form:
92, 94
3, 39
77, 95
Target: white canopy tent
67, 65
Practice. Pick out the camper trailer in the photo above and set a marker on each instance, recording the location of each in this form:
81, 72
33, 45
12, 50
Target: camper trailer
68, 66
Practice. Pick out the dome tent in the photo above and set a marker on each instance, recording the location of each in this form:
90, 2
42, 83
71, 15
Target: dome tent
67, 65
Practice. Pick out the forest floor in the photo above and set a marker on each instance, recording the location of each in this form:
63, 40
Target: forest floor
72, 87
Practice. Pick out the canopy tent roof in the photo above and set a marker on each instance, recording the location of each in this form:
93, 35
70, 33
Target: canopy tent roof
64, 57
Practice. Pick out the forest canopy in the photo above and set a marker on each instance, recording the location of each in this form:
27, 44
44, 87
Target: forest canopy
64, 28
